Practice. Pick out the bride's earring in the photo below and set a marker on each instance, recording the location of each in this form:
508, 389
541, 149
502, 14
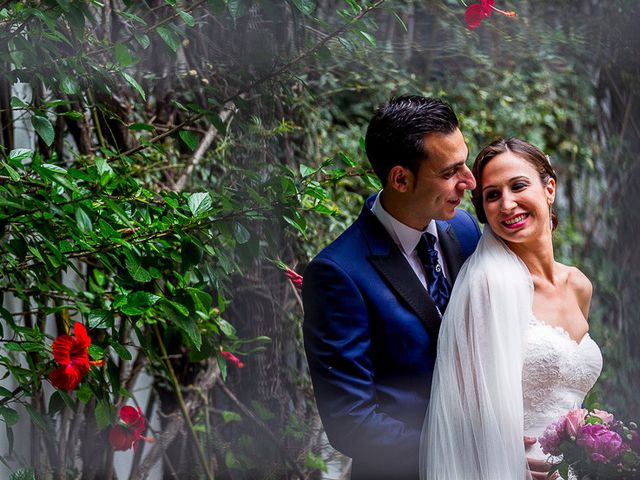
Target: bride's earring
551, 217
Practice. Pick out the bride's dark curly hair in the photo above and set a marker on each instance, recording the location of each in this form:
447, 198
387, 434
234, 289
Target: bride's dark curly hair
530, 153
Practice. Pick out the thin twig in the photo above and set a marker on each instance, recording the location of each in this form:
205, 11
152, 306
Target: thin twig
304, 54
227, 111
181, 403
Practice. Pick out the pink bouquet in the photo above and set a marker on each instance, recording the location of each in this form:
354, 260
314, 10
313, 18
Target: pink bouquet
593, 445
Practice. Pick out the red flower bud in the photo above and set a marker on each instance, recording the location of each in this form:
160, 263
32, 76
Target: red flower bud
295, 278
232, 358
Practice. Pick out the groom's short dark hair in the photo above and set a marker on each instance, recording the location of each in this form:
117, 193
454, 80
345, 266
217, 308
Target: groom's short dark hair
396, 132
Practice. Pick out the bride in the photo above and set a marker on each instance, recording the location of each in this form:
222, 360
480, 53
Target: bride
513, 352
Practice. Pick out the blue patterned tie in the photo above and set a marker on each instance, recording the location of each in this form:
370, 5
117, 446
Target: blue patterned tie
438, 286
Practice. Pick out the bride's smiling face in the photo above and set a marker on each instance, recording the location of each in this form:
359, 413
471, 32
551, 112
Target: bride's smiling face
515, 199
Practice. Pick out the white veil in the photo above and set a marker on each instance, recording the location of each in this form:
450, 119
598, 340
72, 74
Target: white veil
474, 425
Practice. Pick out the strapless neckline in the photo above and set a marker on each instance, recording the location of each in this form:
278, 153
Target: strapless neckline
561, 330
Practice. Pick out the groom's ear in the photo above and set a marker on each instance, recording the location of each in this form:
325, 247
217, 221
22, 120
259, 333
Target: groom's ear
400, 178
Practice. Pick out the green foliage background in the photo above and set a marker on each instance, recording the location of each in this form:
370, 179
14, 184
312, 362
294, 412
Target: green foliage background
183, 149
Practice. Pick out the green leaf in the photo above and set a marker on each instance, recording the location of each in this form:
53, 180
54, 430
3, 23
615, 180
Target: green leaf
120, 349
169, 38
190, 138
368, 37
84, 393
199, 203
54, 168
69, 85
217, 7
123, 56
236, 8
104, 413
104, 169
19, 154
298, 222
23, 474
132, 81
4, 392
100, 319
83, 220
400, 21
201, 299
142, 126
263, 412
73, 115
139, 303
43, 128
226, 328
96, 352
185, 323
187, 18
305, 6
143, 40
137, 271
229, 416
240, 233
306, 171
37, 418
11, 417
315, 462
58, 401
17, 103
15, 176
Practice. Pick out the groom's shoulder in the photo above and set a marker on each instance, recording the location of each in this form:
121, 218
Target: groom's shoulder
349, 244
465, 222
466, 230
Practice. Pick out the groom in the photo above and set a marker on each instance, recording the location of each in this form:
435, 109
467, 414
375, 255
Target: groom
373, 298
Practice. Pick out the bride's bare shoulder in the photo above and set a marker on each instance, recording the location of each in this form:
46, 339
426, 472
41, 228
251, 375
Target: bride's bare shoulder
581, 286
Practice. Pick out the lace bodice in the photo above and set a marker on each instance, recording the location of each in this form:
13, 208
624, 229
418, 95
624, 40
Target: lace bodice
557, 374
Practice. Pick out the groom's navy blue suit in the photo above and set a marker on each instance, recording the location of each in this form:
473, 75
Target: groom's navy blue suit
370, 332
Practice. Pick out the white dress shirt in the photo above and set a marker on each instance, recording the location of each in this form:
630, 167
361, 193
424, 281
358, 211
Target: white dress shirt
407, 239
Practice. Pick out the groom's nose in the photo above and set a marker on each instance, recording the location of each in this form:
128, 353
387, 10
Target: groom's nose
467, 180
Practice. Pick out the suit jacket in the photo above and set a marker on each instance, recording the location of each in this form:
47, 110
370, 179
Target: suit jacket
370, 331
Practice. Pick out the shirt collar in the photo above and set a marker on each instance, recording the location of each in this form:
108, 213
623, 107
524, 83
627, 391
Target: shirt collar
404, 236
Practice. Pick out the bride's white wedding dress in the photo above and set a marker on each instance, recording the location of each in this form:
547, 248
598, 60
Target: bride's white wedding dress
500, 374
557, 373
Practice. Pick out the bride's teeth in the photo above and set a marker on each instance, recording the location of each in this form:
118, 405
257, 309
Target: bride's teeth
519, 218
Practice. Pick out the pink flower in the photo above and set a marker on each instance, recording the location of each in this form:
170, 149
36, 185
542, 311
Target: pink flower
477, 12
598, 439
596, 457
232, 358
575, 419
128, 432
553, 436
295, 278
606, 417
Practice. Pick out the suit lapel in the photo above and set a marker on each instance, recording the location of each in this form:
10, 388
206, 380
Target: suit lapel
389, 261
398, 273
451, 249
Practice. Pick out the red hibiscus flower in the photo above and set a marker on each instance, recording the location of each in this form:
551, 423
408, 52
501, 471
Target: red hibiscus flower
232, 358
295, 278
128, 432
477, 12
71, 354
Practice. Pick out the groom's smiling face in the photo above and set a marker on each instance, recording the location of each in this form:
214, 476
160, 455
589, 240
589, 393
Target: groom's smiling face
442, 177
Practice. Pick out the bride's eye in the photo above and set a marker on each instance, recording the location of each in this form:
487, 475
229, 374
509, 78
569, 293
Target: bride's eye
491, 195
519, 186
